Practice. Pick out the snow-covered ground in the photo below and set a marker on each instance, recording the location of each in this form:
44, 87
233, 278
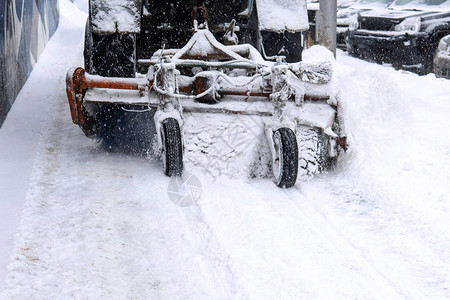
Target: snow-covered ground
76, 222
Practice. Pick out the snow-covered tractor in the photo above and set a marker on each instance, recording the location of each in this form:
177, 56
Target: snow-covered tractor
176, 57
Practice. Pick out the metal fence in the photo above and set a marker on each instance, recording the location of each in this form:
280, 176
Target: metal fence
25, 28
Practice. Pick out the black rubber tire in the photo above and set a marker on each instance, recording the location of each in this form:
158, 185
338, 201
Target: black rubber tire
313, 151
286, 43
286, 151
87, 53
430, 53
125, 132
114, 55
173, 147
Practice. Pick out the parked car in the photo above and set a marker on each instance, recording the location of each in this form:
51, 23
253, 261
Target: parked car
347, 15
442, 58
406, 34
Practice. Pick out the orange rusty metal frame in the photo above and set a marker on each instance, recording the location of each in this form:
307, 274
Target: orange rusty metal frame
78, 81
342, 142
74, 80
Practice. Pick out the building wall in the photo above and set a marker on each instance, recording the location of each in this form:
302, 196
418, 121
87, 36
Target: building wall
25, 28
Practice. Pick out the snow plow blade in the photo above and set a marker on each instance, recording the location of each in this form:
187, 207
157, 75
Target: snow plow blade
237, 80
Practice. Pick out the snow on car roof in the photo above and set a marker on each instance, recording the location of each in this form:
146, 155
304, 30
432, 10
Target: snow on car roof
370, 4
421, 4
282, 15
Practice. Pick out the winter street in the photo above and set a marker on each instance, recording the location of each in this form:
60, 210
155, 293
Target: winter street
79, 222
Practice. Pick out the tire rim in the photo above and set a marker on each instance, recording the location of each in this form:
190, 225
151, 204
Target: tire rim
277, 161
163, 150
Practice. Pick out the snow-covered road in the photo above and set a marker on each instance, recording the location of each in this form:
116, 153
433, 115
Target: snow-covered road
98, 225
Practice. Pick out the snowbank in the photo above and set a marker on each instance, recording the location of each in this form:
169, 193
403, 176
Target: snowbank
21, 134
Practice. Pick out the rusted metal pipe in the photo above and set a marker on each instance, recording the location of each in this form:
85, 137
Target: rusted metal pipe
78, 81
232, 92
216, 110
94, 81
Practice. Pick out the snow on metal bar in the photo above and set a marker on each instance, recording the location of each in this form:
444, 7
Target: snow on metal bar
96, 81
282, 15
319, 115
319, 73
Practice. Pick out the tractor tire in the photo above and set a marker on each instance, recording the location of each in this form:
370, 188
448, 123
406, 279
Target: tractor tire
87, 53
172, 154
114, 55
313, 151
285, 162
287, 44
123, 131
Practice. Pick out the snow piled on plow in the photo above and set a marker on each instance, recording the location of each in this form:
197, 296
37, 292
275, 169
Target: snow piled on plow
233, 146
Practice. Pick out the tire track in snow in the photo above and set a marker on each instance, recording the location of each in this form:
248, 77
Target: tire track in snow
313, 241
213, 252
341, 243
396, 254
102, 226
